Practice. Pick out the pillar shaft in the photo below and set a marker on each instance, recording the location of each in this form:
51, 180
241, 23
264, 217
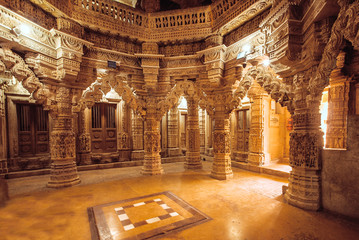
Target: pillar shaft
257, 154
63, 143
84, 138
306, 143
193, 155
338, 97
152, 136
137, 137
221, 145
173, 136
3, 140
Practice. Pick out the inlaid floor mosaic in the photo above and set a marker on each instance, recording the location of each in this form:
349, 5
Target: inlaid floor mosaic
146, 217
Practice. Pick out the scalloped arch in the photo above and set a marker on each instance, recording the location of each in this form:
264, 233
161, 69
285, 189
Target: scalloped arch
16, 65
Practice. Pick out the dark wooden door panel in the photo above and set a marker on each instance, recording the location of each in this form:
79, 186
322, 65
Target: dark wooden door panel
104, 132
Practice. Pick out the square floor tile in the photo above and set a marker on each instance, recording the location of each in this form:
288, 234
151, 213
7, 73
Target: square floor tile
145, 217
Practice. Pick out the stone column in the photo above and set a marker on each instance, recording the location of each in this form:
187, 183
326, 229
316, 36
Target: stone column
84, 138
221, 145
63, 143
306, 143
257, 154
137, 138
193, 155
202, 130
338, 97
152, 136
123, 138
173, 138
3, 140
209, 136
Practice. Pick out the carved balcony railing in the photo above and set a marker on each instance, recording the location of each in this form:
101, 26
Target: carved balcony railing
114, 10
113, 17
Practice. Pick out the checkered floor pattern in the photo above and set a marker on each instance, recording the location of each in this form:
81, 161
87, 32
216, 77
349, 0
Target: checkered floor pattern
128, 225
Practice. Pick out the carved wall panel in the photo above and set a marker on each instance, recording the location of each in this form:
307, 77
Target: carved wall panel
338, 97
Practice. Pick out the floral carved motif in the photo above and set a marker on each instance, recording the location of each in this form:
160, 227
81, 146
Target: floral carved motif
305, 149
84, 142
152, 142
62, 144
222, 142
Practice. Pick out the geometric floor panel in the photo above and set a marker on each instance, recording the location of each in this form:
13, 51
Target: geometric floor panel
147, 217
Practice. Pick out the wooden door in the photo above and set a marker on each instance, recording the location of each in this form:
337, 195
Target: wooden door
103, 131
33, 130
243, 130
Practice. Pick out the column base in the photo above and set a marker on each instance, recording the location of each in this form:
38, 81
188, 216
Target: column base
222, 176
193, 160
193, 165
221, 168
149, 172
174, 152
62, 184
63, 174
152, 166
137, 155
3, 166
84, 159
257, 159
304, 189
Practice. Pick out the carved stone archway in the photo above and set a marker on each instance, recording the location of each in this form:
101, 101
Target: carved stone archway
12, 64
195, 97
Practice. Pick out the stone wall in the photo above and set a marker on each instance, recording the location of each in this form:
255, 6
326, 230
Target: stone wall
340, 174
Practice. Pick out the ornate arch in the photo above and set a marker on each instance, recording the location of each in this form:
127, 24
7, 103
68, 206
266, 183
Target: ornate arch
267, 79
188, 89
10, 61
345, 27
112, 81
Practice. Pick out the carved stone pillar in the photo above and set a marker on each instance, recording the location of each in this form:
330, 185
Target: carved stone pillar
257, 154
193, 155
63, 143
152, 136
221, 145
84, 138
202, 130
338, 98
3, 145
123, 138
173, 130
137, 138
209, 135
306, 143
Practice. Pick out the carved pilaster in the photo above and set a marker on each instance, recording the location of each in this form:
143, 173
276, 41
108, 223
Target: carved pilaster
3, 145
123, 138
221, 145
202, 130
193, 156
137, 137
173, 138
338, 98
84, 138
63, 143
209, 134
152, 138
306, 143
257, 155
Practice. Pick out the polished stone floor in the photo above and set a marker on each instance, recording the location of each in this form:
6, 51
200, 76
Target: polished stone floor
247, 207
